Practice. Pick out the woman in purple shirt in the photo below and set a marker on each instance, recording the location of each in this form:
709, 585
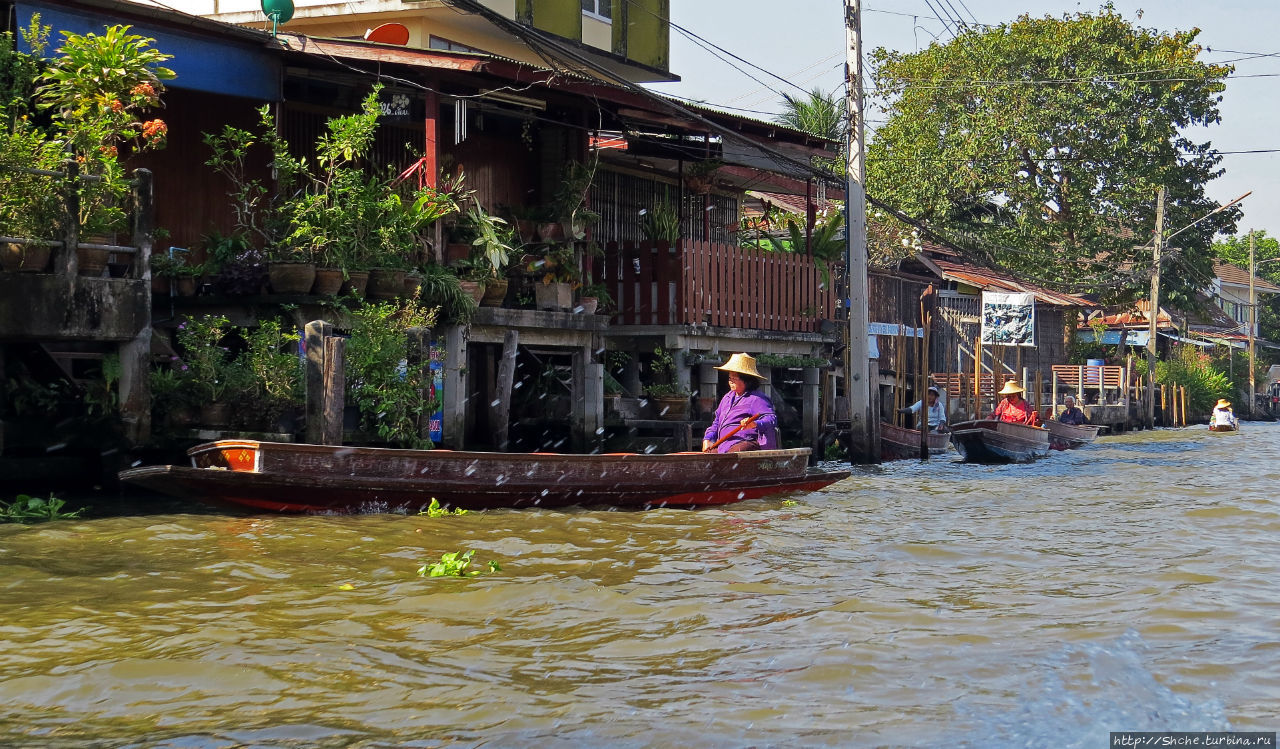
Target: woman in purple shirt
736, 409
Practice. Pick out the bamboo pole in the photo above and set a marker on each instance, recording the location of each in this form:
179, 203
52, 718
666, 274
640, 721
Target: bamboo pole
977, 375
1184, 406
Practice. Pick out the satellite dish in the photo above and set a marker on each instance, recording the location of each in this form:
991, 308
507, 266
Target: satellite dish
279, 11
387, 33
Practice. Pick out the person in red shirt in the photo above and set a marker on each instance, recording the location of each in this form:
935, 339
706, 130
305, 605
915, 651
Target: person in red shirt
1014, 408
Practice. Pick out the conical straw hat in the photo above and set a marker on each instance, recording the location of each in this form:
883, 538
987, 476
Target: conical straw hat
742, 364
1010, 388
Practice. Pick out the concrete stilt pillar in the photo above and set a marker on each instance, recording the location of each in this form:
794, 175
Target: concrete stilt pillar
811, 416
456, 386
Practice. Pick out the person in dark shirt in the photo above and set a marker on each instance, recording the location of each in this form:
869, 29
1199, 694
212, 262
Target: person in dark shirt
1072, 414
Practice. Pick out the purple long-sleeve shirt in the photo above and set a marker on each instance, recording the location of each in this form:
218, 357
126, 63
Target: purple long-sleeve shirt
733, 409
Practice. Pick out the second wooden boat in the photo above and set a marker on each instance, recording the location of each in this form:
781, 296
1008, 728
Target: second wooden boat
1224, 428
993, 441
1070, 436
282, 477
900, 443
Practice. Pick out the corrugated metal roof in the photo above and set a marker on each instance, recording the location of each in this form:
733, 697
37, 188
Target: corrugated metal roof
993, 280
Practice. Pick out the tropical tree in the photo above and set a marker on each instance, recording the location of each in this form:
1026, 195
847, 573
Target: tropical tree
1042, 143
821, 114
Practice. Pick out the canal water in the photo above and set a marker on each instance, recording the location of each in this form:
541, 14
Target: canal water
1129, 585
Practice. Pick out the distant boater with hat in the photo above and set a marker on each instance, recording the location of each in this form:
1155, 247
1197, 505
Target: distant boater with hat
744, 419
1014, 408
1223, 419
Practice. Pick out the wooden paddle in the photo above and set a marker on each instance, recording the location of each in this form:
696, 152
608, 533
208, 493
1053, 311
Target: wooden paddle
750, 421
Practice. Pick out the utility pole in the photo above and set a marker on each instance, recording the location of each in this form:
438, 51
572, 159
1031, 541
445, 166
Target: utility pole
857, 355
1153, 312
1253, 314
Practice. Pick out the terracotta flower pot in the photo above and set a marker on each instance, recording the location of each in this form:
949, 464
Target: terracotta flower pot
291, 278
474, 288
187, 286
24, 258
412, 283
91, 262
588, 304
385, 283
495, 291
357, 283
328, 282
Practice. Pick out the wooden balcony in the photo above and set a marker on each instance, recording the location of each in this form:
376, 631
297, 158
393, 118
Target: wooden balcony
654, 283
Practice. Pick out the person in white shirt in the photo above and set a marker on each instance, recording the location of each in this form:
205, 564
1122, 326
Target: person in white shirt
937, 412
1223, 416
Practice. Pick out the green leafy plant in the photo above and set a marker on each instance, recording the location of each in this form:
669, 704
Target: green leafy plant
379, 380
662, 370
99, 88
454, 564
601, 293
661, 223
557, 264
28, 509
434, 510
210, 370
440, 289
493, 239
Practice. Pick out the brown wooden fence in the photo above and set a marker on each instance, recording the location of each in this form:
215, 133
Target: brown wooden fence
718, 284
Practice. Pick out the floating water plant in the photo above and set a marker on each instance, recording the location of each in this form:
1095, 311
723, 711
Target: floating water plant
28, 509
454, 564
434, 510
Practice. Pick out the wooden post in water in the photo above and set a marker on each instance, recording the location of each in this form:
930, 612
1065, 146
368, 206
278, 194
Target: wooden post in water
505, 385
314, 335
335, 382
977, 375
1184, 405
1039, 391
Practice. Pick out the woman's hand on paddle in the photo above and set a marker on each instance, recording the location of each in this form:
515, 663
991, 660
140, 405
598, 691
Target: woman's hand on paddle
748, 420
706, 445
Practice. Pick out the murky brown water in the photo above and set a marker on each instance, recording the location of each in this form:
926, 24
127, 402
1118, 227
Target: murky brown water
1128, 585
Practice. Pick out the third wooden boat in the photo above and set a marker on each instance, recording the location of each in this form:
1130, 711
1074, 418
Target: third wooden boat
992, 441
1070, 436
900, 443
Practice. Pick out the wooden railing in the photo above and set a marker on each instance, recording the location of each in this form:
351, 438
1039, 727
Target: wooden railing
717, 284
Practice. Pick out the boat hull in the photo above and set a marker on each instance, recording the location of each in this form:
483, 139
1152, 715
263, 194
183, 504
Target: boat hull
1223, 428
279, 477
1070, 436
992, 441
899, 443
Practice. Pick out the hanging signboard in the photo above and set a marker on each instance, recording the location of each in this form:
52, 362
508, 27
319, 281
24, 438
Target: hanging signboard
1008, 319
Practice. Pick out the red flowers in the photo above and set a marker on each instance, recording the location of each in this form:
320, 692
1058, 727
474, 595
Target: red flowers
154, 129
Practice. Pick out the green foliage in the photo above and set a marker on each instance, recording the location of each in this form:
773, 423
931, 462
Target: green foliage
662, 372
434, 510
98, 89
822, 114
601, 293
28, 509
454, 564
1191, 367
1041, 143
440, 289
209, 368
827, 243
258, 369
661, 223
379, 380
493, 239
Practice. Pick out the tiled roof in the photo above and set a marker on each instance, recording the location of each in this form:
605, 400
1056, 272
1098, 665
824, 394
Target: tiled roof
1237, 276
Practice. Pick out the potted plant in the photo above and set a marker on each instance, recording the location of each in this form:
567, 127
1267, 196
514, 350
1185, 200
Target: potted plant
556, 276
594, 298
492, 250
98, 89
699, 176
30, 205
570, 197
441, 287
218, 379
670, 400
661, 223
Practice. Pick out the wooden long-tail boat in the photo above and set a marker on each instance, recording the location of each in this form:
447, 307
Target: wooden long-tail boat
900, 443
1070, 436
282, 477
994, 441
1224, 427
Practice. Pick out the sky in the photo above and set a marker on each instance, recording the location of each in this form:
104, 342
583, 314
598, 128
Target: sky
803, 42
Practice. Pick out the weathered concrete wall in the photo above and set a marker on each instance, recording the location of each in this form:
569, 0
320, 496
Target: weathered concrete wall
54, 307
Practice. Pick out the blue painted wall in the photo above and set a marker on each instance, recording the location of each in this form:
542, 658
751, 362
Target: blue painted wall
202, 63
